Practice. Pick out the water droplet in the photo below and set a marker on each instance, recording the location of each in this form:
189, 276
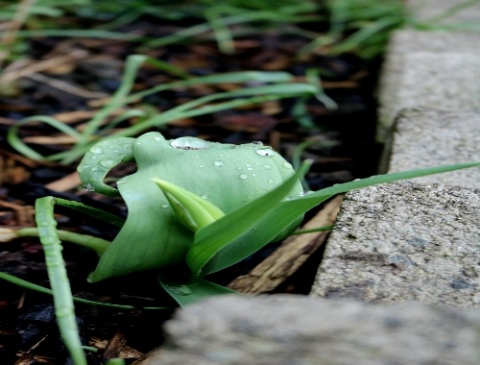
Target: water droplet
258, 143
249, 168
303, 193
270, 181
189, 143
205, 196
111, 146
239, 168
243, 176
108, 163
82, 168
219, 163
158, 139
164, 205
267, 167
287, 165
89, 187
266, 152
202, 166
179, 289
96, 150
254, 175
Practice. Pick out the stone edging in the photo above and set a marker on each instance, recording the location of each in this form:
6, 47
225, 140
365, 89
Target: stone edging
410, 241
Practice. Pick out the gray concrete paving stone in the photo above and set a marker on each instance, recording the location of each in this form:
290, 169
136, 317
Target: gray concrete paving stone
428, 80
465, 13
428, 137
405, 241
294, 330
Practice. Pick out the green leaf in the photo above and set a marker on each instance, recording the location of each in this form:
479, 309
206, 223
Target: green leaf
217, 248
228, 231
229, 176
193, 291
191, 210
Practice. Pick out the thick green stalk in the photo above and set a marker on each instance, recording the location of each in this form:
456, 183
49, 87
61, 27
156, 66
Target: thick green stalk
57, 274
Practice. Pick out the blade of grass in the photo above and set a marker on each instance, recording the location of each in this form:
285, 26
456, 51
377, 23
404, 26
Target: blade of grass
214, 237
218, 239
15, 141
41, 289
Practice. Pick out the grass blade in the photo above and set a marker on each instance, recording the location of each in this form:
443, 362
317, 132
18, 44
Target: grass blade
212, 239
41, 289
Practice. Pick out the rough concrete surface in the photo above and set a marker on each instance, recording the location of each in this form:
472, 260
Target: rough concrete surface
461, 15
428, 80
408, 41
405, 241
427, 137
294, 330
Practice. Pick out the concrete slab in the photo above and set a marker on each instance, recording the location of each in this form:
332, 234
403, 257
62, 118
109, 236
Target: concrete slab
428, 137
428, 80
405, 241
289, 330
459, 12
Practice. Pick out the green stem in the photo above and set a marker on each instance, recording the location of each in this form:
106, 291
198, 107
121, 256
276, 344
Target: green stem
41, 289
57, 274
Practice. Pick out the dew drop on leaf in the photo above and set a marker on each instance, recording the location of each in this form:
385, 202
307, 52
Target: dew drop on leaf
270, 181
179, 289
265, 152
89, 187
287, 165
219, 163
243, 176
189, 143
96, 150
107, 163
267, 167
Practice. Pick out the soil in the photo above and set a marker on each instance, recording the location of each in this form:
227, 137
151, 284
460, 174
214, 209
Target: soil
345, 151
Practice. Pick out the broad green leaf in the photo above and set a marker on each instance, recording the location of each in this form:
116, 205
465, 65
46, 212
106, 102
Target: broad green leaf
229, 176
226, 233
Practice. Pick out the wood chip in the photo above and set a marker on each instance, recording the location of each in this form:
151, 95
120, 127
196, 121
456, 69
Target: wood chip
288, 258
65, 183
126, 352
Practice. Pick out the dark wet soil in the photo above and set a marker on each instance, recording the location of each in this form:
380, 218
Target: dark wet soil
345, 151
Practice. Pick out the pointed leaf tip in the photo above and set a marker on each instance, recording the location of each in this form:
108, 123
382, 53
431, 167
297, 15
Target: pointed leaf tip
191, 210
